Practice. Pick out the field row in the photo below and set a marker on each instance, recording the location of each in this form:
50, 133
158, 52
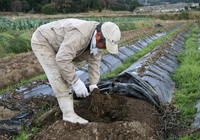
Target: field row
26, 24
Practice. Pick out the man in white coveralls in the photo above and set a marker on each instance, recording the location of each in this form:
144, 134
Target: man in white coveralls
57, 44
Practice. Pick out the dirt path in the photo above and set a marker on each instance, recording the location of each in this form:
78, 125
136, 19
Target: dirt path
25, 65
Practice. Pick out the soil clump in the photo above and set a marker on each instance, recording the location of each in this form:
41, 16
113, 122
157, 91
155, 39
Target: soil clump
6, 113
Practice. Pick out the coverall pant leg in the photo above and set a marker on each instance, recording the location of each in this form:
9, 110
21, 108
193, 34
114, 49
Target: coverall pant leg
46, 55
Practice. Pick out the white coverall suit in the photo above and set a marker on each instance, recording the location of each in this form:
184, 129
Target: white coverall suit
56, 45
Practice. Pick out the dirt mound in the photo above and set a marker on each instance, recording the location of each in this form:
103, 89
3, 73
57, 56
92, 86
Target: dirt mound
111, 117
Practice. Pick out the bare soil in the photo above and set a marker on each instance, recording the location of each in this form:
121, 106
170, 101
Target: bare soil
113, 117
15, 68
25, 65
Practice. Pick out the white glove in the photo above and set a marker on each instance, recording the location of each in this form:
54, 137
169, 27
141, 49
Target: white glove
80, 89
92, 87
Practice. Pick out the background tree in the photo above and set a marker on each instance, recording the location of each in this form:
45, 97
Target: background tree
16, 6
109, 3
5, 5
102, 3
49, 9
44, 2
72, 6
63, 5
25, 6
77, 6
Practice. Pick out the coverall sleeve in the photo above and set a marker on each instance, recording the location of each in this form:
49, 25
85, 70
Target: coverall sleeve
70, 47
94, 68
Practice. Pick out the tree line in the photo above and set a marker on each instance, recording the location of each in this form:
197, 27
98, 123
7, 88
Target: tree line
66, 6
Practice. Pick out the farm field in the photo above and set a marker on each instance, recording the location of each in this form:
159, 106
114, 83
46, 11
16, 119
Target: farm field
25, 65
124, 117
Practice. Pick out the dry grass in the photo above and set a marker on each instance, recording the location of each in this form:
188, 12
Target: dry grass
193, 15
104, 13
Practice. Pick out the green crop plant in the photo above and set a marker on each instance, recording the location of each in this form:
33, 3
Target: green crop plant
21, 24
26, 24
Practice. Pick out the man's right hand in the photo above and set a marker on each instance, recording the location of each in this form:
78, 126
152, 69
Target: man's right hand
92, 87
80, 89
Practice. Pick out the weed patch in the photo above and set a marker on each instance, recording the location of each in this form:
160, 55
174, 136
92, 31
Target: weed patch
11, 43
24, 81
186, 77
